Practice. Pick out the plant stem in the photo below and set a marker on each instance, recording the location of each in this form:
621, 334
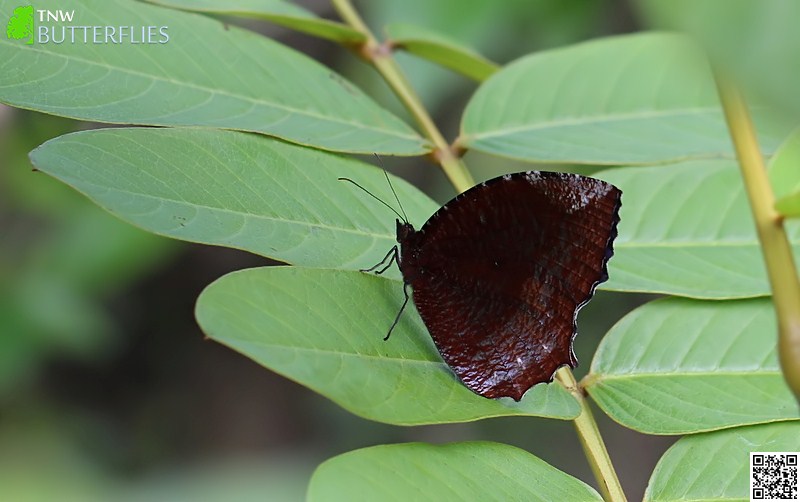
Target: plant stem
381, 57
592, 442
774, 244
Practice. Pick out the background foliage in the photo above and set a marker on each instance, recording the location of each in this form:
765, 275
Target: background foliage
104, 368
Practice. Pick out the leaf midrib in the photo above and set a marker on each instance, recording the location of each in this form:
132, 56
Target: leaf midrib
331, 352
84, 182
212, 91
688, 244
594, 119
604, 377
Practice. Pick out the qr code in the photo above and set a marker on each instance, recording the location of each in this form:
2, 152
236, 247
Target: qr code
773, 476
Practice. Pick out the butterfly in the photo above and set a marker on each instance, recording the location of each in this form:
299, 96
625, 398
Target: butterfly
499, 273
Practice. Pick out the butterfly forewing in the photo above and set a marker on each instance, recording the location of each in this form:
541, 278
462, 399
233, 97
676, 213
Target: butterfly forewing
499, 273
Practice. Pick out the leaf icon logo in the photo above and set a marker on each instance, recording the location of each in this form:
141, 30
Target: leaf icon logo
20, 26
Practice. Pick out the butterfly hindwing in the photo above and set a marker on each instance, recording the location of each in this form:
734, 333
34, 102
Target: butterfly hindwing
499, 273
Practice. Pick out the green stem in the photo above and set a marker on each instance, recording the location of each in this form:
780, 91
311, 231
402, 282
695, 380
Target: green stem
592, 442
774, 244
381, 57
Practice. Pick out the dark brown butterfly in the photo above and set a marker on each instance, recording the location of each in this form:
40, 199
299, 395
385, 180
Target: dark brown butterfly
499, 273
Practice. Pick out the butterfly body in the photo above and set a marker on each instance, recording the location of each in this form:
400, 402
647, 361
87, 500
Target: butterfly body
499, 273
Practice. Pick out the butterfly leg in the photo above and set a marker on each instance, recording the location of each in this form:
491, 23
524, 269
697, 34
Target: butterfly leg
391, 256
402, 308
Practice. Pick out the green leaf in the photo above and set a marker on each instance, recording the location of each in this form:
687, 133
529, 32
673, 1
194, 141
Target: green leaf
634, 99
237, 190
757, 43
325, 329
784, 170
440, 49
686, 229
242, 81
715, 466
784, 167
457, 471
279, 12
789, 206
678, 366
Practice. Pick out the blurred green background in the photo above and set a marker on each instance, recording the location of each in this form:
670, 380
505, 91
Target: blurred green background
108, 389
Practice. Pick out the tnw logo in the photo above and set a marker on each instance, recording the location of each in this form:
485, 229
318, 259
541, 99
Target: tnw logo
57, 16
20, 26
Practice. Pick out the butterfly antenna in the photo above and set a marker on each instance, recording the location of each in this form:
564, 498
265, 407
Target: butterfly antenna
374, 197
405, 217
